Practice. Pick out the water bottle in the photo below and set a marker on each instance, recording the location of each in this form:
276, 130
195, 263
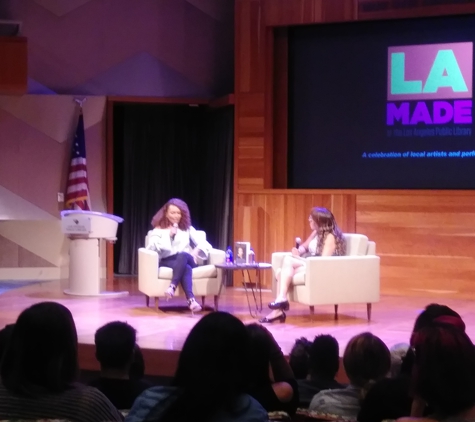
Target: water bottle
229, 255
252, 257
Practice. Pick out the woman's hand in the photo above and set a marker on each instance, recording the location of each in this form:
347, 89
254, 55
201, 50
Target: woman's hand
195, 254
295, 252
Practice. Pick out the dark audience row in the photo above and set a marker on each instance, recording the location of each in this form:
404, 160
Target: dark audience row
431, 378
228, 371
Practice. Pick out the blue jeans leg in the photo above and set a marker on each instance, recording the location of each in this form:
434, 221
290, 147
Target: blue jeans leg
182, 265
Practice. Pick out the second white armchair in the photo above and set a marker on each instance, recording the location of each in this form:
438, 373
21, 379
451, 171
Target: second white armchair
336, 280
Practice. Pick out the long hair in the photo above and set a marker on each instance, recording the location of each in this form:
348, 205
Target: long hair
260, 345
212, 369
432, 313
42, 355
326, 224
160, 219
5, 335
366, 360
444, 368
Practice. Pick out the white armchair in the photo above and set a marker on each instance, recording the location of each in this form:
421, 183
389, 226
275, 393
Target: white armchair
154, 281
334, 280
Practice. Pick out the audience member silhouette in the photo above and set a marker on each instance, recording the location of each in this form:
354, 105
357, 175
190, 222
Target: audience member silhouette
324, 362
433, 311
275, 388
217, 380
40, 367
391, 398
115, 351
211, 379
443, 374
299, 357
366, 360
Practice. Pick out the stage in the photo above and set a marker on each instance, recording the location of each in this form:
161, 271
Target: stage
161, 335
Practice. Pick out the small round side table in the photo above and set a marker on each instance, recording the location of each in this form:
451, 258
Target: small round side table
257, 291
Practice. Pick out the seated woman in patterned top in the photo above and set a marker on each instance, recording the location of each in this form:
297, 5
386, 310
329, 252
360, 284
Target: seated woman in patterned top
326, 240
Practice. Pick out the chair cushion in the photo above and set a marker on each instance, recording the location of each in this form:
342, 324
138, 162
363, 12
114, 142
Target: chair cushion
299, 279
204, 271
356, 244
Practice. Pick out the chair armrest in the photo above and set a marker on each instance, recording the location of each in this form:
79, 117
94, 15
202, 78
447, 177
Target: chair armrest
148, 267
216, 256
371, 248
343, 279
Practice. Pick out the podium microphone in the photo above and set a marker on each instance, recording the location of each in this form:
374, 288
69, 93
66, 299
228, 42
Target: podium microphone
298, 241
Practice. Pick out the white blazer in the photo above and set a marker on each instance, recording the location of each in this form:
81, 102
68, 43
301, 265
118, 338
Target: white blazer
159, 240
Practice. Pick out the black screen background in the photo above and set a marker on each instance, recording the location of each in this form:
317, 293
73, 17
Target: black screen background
337, 108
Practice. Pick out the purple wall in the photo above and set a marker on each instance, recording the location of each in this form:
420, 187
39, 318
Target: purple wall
127, 47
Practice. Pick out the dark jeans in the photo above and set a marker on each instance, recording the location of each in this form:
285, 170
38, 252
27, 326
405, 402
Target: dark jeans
182, 264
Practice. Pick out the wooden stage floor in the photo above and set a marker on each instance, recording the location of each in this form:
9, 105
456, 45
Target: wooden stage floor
161, 335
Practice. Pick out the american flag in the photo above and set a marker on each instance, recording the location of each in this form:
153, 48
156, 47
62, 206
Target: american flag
77, 189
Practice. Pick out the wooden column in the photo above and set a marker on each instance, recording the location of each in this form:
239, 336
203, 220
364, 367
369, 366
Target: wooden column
13, 65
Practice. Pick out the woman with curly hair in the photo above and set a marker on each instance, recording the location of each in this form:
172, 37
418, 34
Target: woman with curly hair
326, 240
178, 246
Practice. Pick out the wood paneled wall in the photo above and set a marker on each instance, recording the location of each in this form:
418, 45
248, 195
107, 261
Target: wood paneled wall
271, 219
426, 239
13, 65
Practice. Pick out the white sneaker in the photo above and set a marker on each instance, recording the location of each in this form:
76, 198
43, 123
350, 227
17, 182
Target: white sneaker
194, 305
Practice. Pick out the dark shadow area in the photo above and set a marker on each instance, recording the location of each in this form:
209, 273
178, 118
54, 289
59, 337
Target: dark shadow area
162, 151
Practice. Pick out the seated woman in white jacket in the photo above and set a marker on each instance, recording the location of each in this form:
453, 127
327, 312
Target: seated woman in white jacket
178, 246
